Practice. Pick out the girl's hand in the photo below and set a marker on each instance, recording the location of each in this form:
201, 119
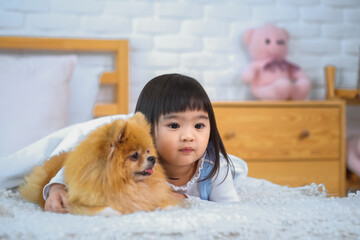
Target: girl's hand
57, 200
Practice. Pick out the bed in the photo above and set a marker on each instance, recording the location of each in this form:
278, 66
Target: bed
265, 211
64, 89
119, 76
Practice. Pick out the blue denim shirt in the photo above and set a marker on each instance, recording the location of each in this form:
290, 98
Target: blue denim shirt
205, 186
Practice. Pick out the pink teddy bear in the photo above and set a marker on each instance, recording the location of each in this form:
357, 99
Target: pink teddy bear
353, 154
270, 75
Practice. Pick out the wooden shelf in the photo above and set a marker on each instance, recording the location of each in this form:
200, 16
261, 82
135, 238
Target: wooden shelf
351, 96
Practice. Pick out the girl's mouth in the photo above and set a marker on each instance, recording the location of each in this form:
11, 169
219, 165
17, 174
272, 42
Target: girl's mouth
187, 149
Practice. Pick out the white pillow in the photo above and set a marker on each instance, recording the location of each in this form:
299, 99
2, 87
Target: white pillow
34, 93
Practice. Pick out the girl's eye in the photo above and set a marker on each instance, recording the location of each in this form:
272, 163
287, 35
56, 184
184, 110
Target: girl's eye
174, 125
135, 156
267, 41
199, 125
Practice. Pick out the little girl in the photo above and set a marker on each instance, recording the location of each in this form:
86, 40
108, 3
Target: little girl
186, 138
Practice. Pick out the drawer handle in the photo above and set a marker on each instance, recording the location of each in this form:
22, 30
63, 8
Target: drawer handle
304, 134
230, 134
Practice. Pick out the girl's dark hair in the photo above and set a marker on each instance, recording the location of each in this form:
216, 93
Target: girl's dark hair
169, 93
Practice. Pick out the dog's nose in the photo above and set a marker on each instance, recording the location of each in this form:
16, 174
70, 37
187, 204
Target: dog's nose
151, 159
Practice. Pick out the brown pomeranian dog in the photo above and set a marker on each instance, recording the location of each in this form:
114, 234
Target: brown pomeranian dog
112, 171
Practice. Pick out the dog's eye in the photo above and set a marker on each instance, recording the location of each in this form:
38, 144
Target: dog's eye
135, 156
148, 151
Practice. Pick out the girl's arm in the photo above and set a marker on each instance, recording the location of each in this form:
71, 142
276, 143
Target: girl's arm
59, 178
223, 191
54, 194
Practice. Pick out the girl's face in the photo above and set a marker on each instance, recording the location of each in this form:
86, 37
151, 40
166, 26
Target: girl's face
181, 138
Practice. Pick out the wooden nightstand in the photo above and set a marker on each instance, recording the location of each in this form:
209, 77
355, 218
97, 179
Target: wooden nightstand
288, 143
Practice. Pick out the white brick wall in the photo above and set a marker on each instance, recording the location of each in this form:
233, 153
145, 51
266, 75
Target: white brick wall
200, 38
25, 6
76, 7
11, 20
52, 21
180, 10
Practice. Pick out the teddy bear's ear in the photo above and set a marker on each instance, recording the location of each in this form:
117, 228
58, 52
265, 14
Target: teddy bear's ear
285, 33
248, 35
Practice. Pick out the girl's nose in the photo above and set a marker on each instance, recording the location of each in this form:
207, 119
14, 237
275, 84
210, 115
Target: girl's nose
187, 136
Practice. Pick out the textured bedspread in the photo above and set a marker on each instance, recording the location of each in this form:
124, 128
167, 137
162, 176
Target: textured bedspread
266, 211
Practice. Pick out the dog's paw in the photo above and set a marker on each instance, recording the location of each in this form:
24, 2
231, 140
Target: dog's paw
108, 212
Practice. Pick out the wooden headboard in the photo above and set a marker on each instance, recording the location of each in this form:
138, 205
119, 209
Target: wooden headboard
119, 77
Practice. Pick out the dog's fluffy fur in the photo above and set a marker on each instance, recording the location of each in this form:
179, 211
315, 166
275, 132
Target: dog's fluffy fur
113, 167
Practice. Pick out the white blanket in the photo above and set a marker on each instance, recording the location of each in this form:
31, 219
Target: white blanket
265, 210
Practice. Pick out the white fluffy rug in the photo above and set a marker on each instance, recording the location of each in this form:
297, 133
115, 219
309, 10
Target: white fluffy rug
266, 211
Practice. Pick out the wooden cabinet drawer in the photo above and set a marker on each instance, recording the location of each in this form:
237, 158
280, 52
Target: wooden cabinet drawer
301, 173
288, 143
279, 132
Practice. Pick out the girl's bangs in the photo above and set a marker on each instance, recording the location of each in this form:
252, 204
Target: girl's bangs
186, 102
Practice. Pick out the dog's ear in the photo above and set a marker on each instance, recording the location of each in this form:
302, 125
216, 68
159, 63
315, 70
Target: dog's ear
117, 140
140, 119
121, 134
